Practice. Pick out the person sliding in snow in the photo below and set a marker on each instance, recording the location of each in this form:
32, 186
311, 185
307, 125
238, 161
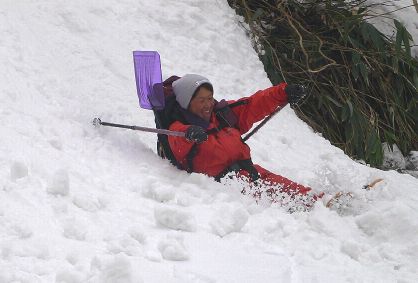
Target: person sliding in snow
213, 143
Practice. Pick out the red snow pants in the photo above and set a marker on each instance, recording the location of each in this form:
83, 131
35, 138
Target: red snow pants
274, 188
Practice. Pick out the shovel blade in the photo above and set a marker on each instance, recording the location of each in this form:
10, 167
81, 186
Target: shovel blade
148, 79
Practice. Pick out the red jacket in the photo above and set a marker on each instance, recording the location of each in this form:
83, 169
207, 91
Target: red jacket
225, 147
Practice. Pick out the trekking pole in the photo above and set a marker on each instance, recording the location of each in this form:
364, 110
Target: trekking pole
261, 124
97, 123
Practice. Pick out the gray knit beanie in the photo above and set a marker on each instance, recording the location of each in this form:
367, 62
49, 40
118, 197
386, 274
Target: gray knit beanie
185, 87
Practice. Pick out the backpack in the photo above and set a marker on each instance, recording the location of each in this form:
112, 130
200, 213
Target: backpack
164, 118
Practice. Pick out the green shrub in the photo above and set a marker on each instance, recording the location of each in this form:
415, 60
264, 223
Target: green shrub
362, 84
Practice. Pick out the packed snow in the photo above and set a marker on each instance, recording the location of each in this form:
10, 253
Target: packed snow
81, 204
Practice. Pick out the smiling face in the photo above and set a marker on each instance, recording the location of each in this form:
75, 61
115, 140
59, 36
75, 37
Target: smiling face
202, 103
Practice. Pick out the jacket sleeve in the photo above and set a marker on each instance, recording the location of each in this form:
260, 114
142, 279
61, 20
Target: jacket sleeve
259, 105
179, 145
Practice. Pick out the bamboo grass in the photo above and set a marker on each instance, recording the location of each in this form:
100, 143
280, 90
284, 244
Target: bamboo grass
363, 84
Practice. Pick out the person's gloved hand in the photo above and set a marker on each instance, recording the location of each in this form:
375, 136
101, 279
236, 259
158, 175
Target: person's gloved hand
295, 92
196, 134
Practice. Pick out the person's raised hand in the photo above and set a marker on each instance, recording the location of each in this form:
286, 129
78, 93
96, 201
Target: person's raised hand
295, 92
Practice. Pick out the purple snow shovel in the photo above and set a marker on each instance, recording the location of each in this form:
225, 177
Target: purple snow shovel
149, 80
149, 89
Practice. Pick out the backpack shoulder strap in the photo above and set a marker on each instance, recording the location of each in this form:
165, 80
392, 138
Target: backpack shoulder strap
238, 103
225, 115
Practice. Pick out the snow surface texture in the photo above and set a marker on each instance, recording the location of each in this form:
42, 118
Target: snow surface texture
80, 204
402, 10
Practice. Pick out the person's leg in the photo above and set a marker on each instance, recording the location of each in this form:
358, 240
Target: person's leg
278, 189
287, 186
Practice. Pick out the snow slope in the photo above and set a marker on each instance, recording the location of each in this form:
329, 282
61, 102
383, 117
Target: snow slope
79, 204
402, 10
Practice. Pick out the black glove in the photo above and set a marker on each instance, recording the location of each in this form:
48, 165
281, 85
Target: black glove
196, 134
295, 93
